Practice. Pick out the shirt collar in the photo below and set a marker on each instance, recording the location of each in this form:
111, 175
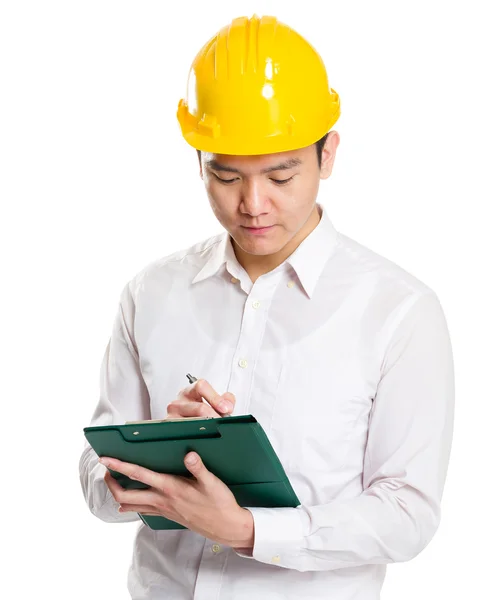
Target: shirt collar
308, 259
220, 254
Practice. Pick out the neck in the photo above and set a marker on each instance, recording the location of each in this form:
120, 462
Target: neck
256, 266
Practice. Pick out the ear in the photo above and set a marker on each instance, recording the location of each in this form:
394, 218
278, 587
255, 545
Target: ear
328, 154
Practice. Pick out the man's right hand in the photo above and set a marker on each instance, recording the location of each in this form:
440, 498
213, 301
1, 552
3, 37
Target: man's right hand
189, 402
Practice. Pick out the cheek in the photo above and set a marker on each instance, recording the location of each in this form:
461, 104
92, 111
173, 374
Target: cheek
220, 195
295, 204
304, 193
291, 198
222, 206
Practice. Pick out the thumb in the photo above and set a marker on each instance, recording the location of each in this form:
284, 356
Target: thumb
195, 465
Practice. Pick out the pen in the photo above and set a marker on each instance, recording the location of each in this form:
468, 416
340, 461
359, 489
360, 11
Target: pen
191, 378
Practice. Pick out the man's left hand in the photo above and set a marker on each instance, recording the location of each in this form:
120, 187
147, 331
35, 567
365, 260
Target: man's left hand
203, 504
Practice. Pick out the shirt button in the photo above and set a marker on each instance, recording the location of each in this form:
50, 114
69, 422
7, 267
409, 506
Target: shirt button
216, 548
234, 280
243, 363
290, 284
276, 559
256, 304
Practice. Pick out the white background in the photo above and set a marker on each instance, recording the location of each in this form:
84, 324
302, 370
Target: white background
96, 182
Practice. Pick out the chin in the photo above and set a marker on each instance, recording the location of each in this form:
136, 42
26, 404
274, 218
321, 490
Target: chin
261, 247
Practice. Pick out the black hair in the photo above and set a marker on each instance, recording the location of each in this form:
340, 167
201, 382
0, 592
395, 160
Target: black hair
319, 145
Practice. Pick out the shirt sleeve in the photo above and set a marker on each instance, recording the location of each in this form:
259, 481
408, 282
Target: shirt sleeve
123, 396
405, 464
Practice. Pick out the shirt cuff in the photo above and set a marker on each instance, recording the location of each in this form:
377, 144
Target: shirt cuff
278, 532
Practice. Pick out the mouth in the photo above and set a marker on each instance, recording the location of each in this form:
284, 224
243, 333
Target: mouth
258, 230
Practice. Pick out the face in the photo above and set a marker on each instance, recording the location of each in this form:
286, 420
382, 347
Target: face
267, 203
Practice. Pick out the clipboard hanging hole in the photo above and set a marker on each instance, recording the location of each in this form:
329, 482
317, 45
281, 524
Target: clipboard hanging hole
136, 432
202, 428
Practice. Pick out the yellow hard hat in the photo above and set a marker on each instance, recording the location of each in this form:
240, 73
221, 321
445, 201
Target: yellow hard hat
257, 87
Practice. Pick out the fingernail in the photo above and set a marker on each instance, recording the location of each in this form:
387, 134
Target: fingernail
191, 459
225, 406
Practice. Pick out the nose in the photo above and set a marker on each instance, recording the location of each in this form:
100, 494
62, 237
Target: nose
254, 198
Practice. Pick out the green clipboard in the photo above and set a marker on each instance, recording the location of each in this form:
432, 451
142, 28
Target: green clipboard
236, 449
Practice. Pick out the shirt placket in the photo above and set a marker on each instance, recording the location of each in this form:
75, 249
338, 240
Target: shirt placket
257, 303
255, 312
212, 566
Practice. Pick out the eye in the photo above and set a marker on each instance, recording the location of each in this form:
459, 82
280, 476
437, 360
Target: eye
282, 181
225, 180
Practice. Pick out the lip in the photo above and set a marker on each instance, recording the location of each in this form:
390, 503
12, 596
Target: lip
259, 230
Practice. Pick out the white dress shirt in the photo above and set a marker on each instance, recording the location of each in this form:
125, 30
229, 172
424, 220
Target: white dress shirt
344, 359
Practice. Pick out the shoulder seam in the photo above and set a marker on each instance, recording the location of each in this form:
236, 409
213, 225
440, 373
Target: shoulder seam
165, 260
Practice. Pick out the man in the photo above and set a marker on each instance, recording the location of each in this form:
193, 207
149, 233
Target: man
342, 356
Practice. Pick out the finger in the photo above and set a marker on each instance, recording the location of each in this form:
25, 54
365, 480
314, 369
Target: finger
190, 409
136, 472
122, 495
115, 488
198, 391
192, 392
220, 403
139, 508
201, 389
195, 465
230, 398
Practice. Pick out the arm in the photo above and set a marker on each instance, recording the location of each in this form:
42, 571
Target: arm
405, 464
123, 396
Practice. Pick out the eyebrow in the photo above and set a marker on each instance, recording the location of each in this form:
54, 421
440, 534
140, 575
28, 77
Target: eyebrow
288, 164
